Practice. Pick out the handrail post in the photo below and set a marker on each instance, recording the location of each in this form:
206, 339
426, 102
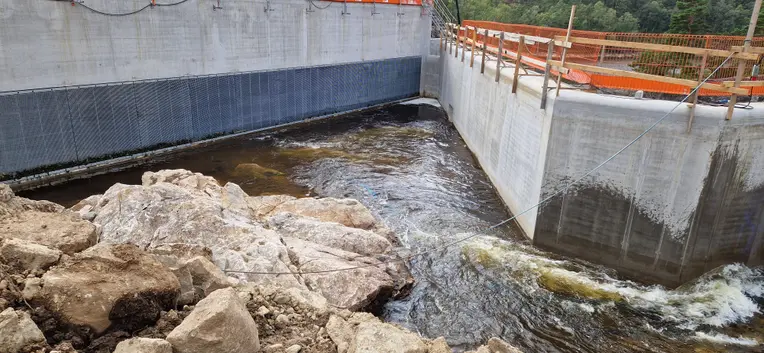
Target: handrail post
701, 75
741, 62
472, 51
518, 63
547, 71
485, 41
458, 28
500, 56
565, 49
464, 42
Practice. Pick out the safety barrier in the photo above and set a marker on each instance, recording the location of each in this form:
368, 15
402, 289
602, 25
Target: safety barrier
626, 56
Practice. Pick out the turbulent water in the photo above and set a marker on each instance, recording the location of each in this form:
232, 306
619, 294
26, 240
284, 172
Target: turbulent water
410, 167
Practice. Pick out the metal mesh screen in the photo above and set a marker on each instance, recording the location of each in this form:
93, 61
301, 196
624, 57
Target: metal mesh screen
51, 128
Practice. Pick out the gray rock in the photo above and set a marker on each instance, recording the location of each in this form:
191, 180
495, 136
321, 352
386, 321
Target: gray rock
282, 321
341, 332
218, 324
347, 212
32, 287
109, 284
294, 349
439, 345
330, 234
273, 348
206, 275
196, 211
496, 345
143, 345
18, 331
28, 256
178, 206
45, 223
377, 337
352, 289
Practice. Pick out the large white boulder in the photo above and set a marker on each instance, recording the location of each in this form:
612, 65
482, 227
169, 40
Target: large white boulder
178, 206
218, 324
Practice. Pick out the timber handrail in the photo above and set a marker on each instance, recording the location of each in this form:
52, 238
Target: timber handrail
633, 74
738, 54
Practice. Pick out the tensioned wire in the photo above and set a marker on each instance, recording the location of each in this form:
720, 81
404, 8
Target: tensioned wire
540, 203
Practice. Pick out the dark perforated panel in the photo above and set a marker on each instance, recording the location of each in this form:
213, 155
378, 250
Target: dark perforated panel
81, 124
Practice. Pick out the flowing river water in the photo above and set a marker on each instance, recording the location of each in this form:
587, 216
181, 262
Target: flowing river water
408, 164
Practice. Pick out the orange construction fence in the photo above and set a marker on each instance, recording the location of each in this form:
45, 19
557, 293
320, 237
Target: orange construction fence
671, 64
392, 2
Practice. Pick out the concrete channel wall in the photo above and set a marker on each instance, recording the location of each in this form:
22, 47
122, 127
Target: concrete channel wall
77, 85
669, 208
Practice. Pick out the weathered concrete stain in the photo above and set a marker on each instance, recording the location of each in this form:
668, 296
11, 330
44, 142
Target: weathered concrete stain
604, 226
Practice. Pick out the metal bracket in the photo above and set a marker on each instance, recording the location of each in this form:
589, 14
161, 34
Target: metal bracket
310, 7
268, 7
399, 13
374, 8
217, 7
345, 8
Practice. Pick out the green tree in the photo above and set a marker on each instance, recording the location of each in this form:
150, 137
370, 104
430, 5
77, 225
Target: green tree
654, 17
690, 16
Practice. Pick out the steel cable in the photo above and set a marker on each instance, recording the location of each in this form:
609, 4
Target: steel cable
539, 204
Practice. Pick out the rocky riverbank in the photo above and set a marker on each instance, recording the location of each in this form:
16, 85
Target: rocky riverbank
182, 264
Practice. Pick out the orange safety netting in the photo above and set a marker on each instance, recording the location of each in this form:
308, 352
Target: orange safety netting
670, 64
393, 2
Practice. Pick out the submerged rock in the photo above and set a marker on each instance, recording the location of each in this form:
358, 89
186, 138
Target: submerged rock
218, 324
109, 285
44, 223
254, 170
18, 332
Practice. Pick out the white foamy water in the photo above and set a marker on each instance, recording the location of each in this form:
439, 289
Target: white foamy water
430, 101
723, 339
719, 298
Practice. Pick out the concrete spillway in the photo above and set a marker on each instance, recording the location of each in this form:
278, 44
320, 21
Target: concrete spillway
673, 206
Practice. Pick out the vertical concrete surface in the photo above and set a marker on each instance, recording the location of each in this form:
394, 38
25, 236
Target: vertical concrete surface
671, 207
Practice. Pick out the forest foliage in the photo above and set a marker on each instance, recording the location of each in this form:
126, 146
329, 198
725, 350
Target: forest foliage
655, 16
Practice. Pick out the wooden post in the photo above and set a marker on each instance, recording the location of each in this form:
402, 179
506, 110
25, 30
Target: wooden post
500, 57
602, 54
547, 70
450, 33
564, 49
485, 42
472, 51
458, 28
741, 62
518, 63
464, 43
701, 76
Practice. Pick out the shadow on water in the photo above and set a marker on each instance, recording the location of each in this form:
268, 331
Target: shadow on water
411, 168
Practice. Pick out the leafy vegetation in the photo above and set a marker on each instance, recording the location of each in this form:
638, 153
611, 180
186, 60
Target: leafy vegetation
656, 16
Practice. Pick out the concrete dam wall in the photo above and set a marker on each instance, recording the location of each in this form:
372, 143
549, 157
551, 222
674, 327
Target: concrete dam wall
671, 207
76, 85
